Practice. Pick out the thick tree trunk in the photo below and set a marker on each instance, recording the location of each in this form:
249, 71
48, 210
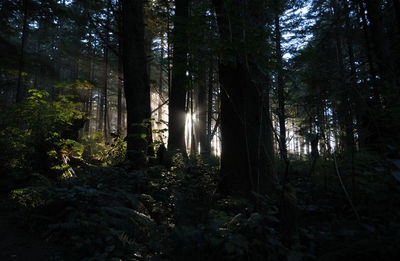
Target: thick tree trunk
246, 160
396, 4
137, 90
176, 125
380, 42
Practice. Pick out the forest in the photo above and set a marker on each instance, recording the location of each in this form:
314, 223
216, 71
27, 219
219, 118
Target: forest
199, 130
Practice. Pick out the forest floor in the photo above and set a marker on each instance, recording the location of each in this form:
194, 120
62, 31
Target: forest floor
15, 243
114, 213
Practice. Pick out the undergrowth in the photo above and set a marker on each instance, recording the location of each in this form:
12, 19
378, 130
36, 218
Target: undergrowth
159, 213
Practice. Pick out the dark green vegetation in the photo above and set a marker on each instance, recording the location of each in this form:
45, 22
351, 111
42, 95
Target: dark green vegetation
200, 130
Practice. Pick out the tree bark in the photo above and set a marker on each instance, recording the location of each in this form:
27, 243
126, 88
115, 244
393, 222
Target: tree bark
176, 124
137, 90
246, 159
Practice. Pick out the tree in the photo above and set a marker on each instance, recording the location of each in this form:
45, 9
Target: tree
280, 91
177, 94
137, 90
247, 152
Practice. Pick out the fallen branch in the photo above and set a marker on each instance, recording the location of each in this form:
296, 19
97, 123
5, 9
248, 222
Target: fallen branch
344, 188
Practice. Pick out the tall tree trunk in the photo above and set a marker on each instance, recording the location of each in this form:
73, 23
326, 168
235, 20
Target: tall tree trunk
281, 93
381, 46
119, 97
246, 159
396, 4
209, 108
120, 80
169, 50
105, 91
353, 86
344, 108
137, 90
369, 129
193, 145
202, 112
176, 125
100, 112
160, 82
20, 88
89, 112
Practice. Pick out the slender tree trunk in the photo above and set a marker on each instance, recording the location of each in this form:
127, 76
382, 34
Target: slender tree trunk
38, 67
20, 88
119, 97
160, 81
344, 109
106, 120
100, 112
353, 88
91, 76
89, 112
209, 109
202, 113
169, 51
120, 80
281, 93
176, 125
193, 146
187, 128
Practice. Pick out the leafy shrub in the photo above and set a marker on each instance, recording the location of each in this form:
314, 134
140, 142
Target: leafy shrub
38, 132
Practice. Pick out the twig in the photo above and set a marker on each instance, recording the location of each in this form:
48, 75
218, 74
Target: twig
159, 106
